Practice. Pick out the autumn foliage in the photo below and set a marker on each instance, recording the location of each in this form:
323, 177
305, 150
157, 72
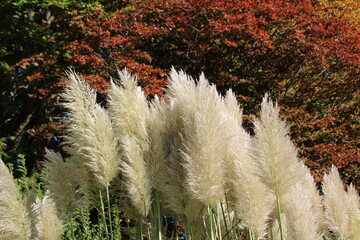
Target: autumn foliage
302, 53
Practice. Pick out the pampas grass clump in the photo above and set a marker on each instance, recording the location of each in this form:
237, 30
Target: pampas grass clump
185, 155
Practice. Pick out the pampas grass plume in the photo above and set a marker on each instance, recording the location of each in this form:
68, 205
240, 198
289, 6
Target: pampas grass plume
60, 179
274, 152
136, 176
354, 212
316, 207
129, 112
336, 204
252, 201
300, 214
128, 108
232, 107
176, 196
158, 128
47, 225
14, 219
90, 133
204, 142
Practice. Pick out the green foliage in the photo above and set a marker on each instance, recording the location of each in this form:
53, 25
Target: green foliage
81, 227
25, 182
17, 164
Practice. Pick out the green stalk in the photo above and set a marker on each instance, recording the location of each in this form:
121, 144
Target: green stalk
279, 217
109, 212
225, 220
103, 215
140, 228
271, 232
250, 235
188, 234
146, 224
212, 224
217, 222
234, 223
234, 226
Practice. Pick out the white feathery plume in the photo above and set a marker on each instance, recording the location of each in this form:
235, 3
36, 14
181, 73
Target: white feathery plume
232, 107
80, 99
128, 108
14, 219
354, 212
136, 176
276, 160
181, 88
177, 198
100, 148
90, 133
300, 214
274, 152
46, 224
129, 112
181, 94
308, 183
60, 179
252, 201
336, 206
204, 142
158, 127
236, 146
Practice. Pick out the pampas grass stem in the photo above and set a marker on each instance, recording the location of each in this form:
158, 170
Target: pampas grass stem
103, 215
278, 205
109, 212
271, 231
224, 217
250, 235
214, 230
188, 232
212, 224
140, 227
